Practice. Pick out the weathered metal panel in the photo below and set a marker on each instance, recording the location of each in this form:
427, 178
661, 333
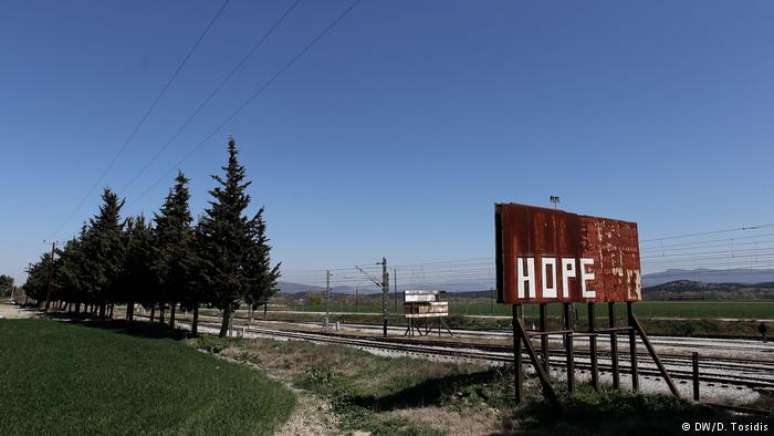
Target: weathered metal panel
419, 303
420, 295
542, 251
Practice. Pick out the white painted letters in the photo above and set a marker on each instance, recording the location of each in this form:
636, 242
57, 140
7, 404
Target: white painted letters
528, 277
550, 274
586, 293
568, 270
549, 292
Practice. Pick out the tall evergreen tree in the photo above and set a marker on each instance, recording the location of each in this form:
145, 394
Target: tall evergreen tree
174, 246
138, 283
104, 251
6, 285
262, 277
73, 273
36, 286
229, 246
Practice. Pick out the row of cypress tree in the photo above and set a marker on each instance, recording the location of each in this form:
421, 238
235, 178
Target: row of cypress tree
223, 261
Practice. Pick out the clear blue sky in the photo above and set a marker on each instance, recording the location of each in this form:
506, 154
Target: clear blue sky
396, 134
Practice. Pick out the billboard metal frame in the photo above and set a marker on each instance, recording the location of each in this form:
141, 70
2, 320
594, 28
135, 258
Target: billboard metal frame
565, 237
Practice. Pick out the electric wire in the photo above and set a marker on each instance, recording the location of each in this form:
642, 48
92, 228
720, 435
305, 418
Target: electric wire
238, 67
255, 94
142, 119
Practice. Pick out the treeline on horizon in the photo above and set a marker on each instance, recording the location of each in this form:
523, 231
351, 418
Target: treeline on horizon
222, 261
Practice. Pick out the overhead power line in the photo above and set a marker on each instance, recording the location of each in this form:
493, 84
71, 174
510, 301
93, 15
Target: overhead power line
255, 94
144, 117
703, 243
238, 67
712, 232
731, 253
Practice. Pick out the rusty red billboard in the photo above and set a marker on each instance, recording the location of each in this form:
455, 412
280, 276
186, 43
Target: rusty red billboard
546, 255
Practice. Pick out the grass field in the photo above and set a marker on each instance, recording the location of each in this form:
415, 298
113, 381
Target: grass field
404, 396
62, 378
645, 309
380, 395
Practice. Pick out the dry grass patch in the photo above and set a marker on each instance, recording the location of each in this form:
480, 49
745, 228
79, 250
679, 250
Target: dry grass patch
382, 395
451, 422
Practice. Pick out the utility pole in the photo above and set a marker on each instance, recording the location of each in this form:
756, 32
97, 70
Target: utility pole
385, 285
395, 285
356, 309
327, 297
385, 292
50, 277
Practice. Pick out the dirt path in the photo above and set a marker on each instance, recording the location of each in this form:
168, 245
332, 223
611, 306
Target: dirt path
312, 415
12, 311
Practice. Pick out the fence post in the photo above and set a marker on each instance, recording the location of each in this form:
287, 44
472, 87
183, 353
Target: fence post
695, 358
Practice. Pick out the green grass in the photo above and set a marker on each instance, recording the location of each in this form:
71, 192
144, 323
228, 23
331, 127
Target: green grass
61, 378
366, 391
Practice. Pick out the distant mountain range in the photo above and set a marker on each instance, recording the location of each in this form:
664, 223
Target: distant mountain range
295, 288
706, 276
692, 290
736, 275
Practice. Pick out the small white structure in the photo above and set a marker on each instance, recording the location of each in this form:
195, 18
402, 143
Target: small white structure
422, 304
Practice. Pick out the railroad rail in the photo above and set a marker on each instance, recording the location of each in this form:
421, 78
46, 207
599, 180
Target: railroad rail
746, 374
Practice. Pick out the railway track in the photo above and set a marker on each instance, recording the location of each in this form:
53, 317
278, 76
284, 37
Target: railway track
723, 372
749, 365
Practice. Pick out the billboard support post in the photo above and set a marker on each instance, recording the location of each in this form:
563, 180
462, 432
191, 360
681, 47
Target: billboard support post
654, 356
519, 336
544, 337
593, 349
633, 347
568, 347
517, 370
613, 345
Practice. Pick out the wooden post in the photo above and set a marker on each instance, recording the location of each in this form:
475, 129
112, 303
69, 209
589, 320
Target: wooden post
654, 356
593, 349
633, 347
613, 345
569, 348
195, 321
516, 353
695, 358
521, 335
544, 338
